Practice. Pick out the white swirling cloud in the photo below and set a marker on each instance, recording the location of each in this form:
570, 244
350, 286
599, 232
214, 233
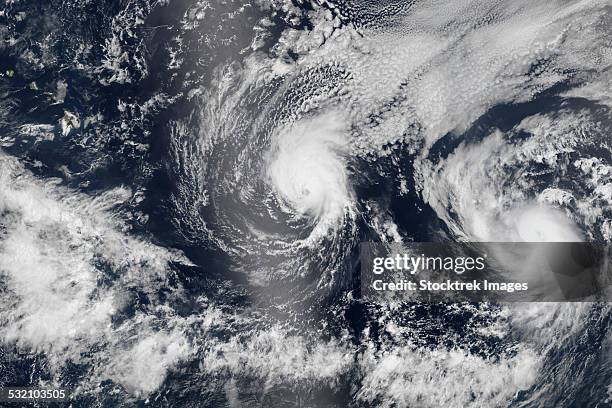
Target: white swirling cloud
307, 167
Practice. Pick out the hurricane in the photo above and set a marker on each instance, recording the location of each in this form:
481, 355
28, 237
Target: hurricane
185, 186
307, 170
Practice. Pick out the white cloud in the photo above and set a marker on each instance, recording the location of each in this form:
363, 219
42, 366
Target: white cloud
57, 247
